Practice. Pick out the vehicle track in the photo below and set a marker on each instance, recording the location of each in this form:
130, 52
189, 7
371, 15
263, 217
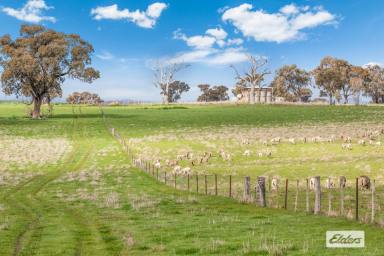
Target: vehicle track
36, 209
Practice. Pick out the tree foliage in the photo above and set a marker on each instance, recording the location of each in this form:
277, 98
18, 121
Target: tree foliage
175, 90
373, 84
37, 63
84, 98
164, 76
215, 93
292, 83
254, 76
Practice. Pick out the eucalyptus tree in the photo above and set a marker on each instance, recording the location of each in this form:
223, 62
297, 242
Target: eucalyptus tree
164, 76
374, 84
292, 83
37, 63
254, 76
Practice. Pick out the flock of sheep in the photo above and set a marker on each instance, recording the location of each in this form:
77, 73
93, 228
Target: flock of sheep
187, 159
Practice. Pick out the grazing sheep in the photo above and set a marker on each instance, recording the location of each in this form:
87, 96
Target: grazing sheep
247, 153
361, 142
364, 183
275, 183
179, 157
347, 139
329, 183
292, 141
346, 146
186, 171
157, 164
264, 142
276, 140
245, 142
378, 143
312, 183
260, 154
176, 169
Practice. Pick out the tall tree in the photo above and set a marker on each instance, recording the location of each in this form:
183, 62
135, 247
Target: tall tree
328, 78
374, 83
215, 93
254, 76
164, 76
37, 63
290, 82
177, 88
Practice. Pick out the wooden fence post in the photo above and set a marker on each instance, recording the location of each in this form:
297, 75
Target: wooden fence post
216, 184
197, 183
297, 194
342, 183
373, 202
357, 200
206, 185
261, 191
317, 195
230, 185
286, 194
247, 188
307, 196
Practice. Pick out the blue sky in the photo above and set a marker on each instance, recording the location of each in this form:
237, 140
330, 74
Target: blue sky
129, 35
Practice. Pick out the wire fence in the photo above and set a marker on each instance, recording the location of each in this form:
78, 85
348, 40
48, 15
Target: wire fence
360, 199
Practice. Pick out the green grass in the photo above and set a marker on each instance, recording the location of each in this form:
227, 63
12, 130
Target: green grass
92, 202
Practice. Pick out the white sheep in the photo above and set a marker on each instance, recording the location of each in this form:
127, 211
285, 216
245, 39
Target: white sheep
247, 153
361, 142
347, 146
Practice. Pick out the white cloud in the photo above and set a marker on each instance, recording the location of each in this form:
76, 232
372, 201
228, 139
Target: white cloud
217, 33
208, 40
105, 55
285, 25
372, 64
143, 19
32, 12
210, 48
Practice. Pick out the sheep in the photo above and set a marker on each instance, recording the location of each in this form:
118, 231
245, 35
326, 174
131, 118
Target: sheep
157, 164
275, 183
245, 142
347, 139
364, 182
312, 183
176, 169
276, 140
292, 140
264, 142
329, 183
378, 143
361, 142
346, 146
186, 171
260, 154
247, 153
179, 157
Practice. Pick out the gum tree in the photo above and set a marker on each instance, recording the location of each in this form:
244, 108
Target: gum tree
37, 63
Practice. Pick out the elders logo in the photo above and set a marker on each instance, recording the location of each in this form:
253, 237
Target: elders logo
345, 239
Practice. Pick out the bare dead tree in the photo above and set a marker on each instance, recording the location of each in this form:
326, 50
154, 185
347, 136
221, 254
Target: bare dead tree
254, 76
164, 76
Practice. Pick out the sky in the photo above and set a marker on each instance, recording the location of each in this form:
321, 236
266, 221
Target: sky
211, 35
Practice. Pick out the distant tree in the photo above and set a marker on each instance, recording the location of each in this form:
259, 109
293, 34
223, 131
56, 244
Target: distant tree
328, 78
292, 83
254, 76
215, 93
237, 91
77, 98
339, 79
373, 85
177, 88
164, 76
37, 63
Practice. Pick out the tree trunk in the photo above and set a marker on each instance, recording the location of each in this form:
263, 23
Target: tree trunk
36, 108
330, 99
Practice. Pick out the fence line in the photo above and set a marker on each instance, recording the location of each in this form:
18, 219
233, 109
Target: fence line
363, 197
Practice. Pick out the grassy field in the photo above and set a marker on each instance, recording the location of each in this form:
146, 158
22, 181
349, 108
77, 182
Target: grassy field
81, 195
